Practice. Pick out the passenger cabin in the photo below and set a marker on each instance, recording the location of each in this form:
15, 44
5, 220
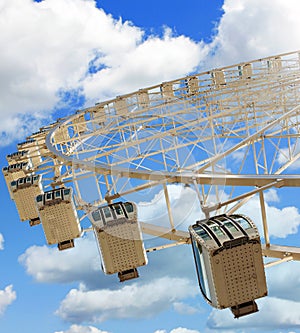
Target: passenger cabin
59, 217
40, 138
17, 157
24, 192
13, 172
229, 264
119, 239
31, 146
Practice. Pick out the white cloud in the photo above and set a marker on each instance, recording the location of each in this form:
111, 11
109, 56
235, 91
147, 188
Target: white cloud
184, 204
273, 313
151, 61
186, 210
281, 222
82, 329
71, 46
81, 263
184, 309
253, 29
7, 296
277, 277
285, 155
1, 242
271, 196
130, 301
183, 330
178, 330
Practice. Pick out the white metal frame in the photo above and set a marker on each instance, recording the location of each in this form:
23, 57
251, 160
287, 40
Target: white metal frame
188, 131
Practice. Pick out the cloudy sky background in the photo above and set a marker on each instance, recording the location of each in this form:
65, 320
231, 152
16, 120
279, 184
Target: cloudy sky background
61, 55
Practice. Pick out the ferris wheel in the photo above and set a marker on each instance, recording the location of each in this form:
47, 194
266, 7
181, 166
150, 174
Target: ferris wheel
227, 134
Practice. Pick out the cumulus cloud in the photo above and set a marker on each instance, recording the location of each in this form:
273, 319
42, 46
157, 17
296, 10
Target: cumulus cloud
277, 278
184, 204
1, 242
183, 330
273, 313
130, 301
63, 51
253, 29
271, 196
82, 329
285, 155
7, 296
152, 61
281, 221
81, 264
186, 210
178, 330
184, 309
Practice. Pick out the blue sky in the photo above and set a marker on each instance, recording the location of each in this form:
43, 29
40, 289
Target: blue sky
61, 55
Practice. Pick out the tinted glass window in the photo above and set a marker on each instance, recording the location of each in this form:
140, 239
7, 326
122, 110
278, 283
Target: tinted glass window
217, 230
118, 209
243, 222
96, 215
67, 191
201, 270
128, 207
106, 211
202, 233
229, 225
39, 198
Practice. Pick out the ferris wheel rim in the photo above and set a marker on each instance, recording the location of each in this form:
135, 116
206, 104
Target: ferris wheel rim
184, 174
156, 175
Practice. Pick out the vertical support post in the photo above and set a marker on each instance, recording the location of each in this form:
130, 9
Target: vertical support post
200, 199
108, 189
169, 207
264, 218
264, 155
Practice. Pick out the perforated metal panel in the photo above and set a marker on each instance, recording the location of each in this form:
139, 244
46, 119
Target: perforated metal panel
167, 90
241, 278
121, 247
143, 98
59, 219
192, 85
59, 223
33, 151
24, 197
218, 77
12, 173
17, 157
120, 106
